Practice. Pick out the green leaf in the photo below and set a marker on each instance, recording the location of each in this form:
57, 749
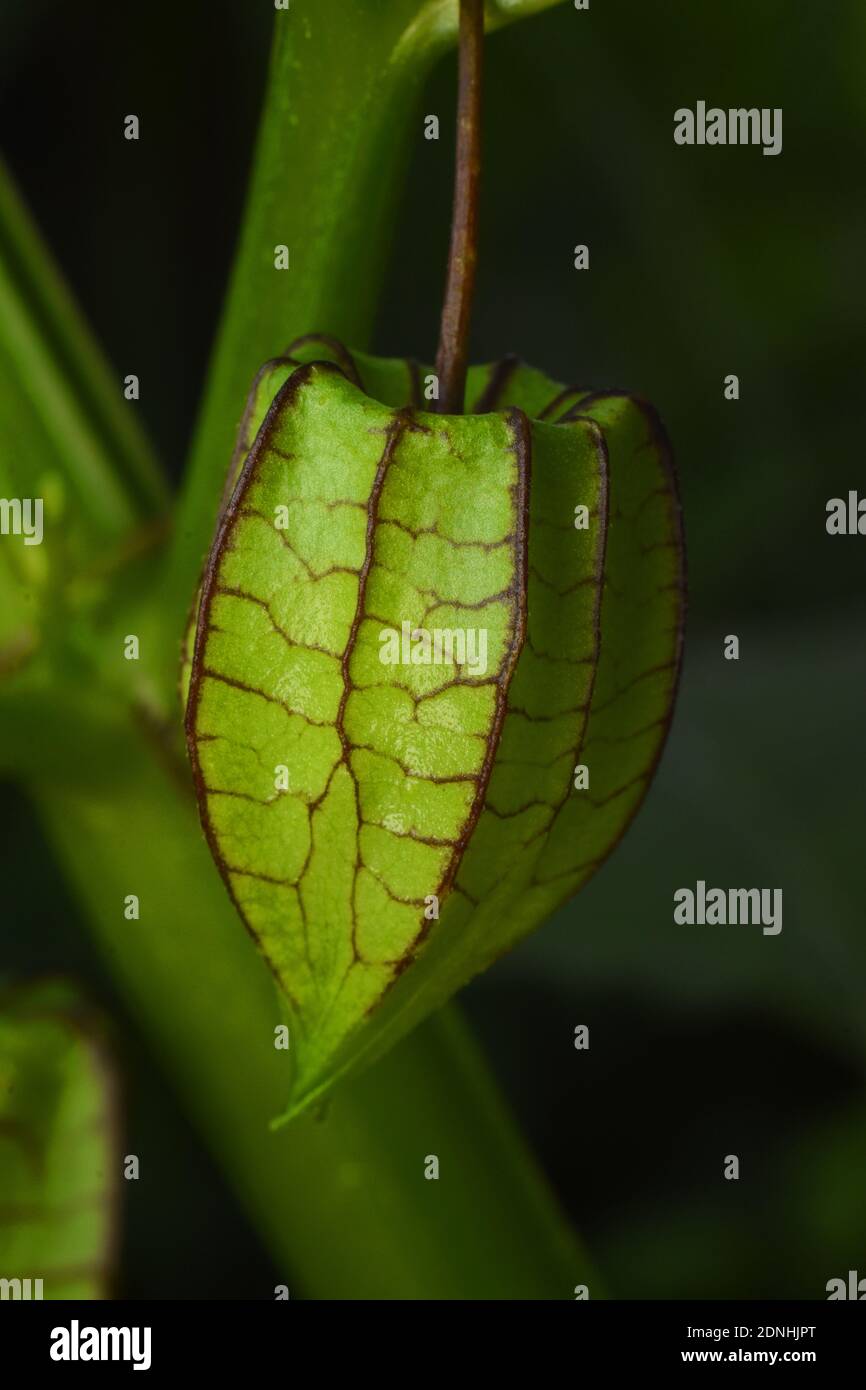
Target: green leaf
386, 830
59, 1159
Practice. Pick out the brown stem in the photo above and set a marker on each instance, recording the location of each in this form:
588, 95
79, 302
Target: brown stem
453, 355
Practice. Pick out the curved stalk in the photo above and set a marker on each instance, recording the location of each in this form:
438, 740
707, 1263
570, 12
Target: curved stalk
452, 358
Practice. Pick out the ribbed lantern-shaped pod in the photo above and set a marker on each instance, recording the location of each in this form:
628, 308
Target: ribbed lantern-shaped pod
433, 666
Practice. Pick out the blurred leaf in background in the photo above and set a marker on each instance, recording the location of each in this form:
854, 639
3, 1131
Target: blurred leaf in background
60, 1161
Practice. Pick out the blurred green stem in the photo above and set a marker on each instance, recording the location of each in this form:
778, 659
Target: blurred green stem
56, 362
335, 129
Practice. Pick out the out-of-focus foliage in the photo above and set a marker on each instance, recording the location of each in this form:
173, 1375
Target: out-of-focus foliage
59, 1146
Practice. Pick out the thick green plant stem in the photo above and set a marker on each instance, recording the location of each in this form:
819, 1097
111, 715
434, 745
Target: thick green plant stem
341, 1198
336, 125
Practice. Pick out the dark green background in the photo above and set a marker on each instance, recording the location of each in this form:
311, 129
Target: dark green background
705, 1041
